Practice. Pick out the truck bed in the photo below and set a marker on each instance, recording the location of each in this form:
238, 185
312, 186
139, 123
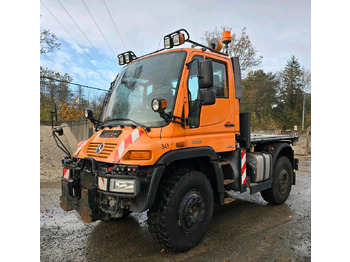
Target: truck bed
262, 138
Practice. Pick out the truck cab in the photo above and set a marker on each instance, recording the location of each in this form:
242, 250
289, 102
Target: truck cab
171, 140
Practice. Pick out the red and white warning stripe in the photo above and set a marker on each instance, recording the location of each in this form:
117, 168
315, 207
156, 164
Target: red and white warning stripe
102, 183
66, 173
128, 141
243, 166
80, 146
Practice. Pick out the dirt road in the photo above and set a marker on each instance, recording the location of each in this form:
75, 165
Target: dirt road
248, 229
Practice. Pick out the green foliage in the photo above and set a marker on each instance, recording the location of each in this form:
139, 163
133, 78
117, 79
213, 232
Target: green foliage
294, 83
277, 100
259, 90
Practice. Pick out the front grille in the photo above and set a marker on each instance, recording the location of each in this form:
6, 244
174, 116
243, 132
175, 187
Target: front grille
106, 151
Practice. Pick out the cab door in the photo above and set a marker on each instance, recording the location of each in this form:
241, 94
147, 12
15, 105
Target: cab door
210, 125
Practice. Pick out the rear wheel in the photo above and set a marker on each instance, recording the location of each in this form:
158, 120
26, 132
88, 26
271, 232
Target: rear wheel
281, 182
183, 209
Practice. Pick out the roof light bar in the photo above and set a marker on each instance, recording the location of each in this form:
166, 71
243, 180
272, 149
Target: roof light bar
126, 58
176, 38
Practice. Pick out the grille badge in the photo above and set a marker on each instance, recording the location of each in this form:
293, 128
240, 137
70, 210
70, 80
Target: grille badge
99, 148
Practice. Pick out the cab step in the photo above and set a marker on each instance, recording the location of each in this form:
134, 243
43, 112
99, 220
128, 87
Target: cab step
229, 200
224, 163
228, 182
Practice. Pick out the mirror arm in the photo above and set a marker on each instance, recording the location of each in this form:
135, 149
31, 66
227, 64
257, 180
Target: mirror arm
59, 143
172, 118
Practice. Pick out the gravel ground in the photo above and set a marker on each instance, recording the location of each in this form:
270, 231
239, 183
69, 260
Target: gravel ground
50, 158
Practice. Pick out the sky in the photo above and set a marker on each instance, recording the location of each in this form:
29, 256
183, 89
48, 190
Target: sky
93, 32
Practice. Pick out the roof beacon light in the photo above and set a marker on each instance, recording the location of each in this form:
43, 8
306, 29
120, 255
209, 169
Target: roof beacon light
226, 39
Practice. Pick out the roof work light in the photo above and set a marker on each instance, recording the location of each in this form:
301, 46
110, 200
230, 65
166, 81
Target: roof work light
126, 58
174, 39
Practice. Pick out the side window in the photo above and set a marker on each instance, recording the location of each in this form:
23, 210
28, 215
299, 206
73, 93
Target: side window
193, 97
220, 80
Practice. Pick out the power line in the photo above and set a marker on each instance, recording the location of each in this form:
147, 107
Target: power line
114, 24
98, 27
84, 34
71, 83
66, 30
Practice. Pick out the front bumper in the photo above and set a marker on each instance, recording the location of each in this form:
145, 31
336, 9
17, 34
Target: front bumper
86, 188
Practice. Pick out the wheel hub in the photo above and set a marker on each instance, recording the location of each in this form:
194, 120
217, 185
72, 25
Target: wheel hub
283, 181
191, 211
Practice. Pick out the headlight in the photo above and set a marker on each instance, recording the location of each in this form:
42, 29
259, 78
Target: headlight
122, 186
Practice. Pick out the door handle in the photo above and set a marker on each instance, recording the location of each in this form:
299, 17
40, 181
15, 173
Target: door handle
228, 124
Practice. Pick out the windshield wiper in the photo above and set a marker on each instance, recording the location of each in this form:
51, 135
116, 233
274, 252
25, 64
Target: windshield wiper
130, 120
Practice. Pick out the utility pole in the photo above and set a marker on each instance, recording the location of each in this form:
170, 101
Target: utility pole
302, 122
303, 117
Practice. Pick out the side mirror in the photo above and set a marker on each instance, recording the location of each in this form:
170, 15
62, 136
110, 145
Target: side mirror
58, 130
205, 74
88, 113
207, 97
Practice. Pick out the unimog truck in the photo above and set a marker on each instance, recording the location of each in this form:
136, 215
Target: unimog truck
171, 140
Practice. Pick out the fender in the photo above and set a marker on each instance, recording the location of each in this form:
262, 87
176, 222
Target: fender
186, 153
284, 149
176, 155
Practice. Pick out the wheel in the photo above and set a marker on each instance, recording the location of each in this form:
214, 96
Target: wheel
182, 211
281, 186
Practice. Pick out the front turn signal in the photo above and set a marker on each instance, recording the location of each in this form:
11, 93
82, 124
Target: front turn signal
138, 155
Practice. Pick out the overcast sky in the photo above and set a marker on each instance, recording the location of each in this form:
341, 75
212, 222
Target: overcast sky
90, 39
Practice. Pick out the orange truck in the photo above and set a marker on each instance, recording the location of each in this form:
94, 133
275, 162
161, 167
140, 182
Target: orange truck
171, 140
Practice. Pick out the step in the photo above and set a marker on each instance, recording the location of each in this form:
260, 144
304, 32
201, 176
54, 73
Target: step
229, 200
228, 181
224, 163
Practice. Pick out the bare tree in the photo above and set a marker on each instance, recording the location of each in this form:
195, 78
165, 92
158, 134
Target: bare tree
240, 46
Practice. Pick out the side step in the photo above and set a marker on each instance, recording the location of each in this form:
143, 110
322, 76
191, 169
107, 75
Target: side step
228, 181
229, 200
257, 187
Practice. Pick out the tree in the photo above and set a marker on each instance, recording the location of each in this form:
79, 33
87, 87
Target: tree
259, 98
240, 46
294, 82
53, 91
48, 42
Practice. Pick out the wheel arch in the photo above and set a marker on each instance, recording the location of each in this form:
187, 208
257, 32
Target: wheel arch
203, 159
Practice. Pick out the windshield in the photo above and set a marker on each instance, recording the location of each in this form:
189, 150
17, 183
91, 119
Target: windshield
139, 83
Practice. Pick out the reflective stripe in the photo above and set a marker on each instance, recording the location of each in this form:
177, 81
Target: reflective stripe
66, 173
127, 141
102, 183
243, 166
80, 147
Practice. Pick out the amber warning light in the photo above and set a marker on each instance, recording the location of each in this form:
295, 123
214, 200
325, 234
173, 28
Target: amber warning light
226, 39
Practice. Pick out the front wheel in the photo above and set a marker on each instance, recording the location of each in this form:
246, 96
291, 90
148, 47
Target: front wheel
183, 209
281, 186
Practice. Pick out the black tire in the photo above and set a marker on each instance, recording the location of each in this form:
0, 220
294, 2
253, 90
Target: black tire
182, 211
281, 186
